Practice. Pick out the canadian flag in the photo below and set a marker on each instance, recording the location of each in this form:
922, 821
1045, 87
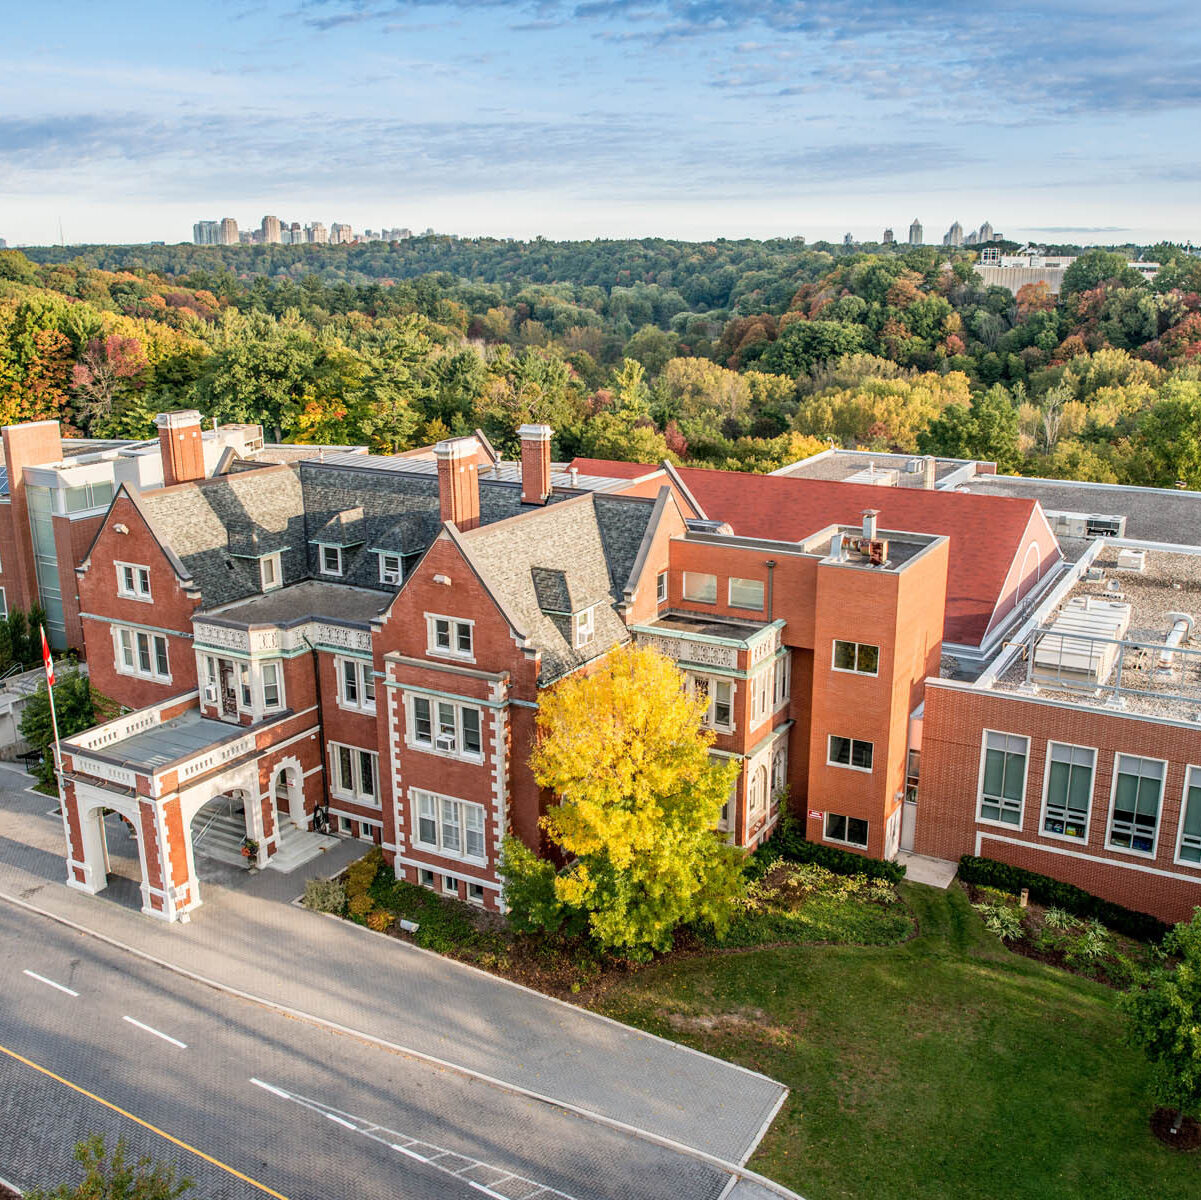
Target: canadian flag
47, 661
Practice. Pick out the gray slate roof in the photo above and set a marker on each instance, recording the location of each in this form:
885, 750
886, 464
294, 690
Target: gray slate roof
559, 553
204, 523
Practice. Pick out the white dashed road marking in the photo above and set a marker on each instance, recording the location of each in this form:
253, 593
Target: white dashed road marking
157, 1033
51, 983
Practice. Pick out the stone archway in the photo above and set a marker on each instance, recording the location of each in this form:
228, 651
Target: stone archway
91, 807
287, 793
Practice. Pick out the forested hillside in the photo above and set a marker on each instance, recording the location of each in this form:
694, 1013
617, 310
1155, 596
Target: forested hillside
733, 354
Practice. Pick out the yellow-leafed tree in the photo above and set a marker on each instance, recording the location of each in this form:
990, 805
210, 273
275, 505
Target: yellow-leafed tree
625, 751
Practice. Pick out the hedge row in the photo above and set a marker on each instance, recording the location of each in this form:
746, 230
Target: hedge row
789, 842
1053, 893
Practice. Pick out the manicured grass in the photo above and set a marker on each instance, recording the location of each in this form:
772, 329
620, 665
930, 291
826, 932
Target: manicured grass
941, 1067
821, 919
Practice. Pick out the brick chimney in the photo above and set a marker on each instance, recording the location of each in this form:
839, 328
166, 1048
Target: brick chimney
181, 445
535, 463
458, 482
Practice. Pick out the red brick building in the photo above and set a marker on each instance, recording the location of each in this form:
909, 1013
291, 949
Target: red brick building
365, 640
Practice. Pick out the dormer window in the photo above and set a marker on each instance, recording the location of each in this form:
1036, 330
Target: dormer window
331, 560
584, 627
390, 569
133, 581
271, 572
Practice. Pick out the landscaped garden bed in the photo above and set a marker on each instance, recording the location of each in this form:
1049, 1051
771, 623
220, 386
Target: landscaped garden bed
789, 904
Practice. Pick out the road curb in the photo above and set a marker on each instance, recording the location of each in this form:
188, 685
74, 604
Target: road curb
731, 1168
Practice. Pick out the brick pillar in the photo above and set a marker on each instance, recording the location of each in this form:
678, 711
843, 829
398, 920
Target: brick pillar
181, 445
27, 445
535, 463
458, 482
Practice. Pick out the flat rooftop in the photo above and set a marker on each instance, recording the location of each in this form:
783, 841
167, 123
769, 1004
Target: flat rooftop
698, 625
180, 738
1105, 641
902, 546
307, 601
864, 466
561, 478
1152, 514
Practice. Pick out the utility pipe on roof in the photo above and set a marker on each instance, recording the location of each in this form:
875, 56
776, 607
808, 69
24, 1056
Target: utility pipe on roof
1182, 627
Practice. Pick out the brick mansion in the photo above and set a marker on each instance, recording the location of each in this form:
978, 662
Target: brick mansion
909, 653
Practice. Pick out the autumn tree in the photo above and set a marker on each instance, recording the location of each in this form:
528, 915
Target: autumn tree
625, 752
108, 369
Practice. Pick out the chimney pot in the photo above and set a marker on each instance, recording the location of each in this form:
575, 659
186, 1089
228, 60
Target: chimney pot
869, 523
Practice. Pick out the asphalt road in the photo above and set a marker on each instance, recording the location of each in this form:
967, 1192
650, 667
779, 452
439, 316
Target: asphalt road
251, 1103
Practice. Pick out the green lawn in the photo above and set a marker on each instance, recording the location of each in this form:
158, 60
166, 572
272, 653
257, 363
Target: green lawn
941, 1067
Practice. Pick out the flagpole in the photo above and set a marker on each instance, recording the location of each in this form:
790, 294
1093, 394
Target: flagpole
48, 664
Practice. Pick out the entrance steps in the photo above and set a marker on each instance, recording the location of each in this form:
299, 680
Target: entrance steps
222, 841
297, 846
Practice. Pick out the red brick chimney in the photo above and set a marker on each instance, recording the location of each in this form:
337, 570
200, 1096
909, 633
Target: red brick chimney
535, 463
458, 482
181, 445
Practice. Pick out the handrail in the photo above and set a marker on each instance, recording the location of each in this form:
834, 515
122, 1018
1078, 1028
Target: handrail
229, 813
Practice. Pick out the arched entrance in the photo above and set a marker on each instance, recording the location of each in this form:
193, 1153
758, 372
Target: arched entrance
220, 826
111, 845
287, 787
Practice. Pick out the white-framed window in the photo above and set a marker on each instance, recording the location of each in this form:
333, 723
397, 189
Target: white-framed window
850, 831
779, 769
273, 686
856, 657
426, 876
344, 826
356, 684
746, 593
762, 684
450, 885
757, 793
366, 832
133, 582
849, 752
1135, 806
719, 694
475, 893
700, 588
3, 603
782, 686
141, 653
245, 696
1188, 848
1003, 777
391, 569
331, 560
271, 572
454, 828
1068, 791
446, 727
584, 627
661, 588
356, 774
450, 637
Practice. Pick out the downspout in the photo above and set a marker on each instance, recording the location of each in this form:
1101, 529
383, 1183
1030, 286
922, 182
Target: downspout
321, 736
770, 564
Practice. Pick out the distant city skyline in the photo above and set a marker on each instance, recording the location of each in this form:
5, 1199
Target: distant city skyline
679, 118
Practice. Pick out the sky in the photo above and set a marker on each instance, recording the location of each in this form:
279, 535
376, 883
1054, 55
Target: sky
1055, 120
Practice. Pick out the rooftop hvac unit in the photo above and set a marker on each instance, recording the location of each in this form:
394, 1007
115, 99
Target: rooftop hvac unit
1086, 525
915, 466
1132, 560
1081, 646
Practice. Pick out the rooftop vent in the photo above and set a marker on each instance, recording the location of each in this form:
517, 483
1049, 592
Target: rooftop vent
1182, 626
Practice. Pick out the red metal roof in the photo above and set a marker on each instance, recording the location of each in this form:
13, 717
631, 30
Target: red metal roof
987, 533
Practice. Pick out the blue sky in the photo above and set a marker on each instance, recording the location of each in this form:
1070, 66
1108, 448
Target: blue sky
1053, 119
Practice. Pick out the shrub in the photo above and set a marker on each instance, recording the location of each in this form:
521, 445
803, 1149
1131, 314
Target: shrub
533, 905
1059, 919
379, 920
116, 1178
1002, 919
1093, 943
788, 841
1052, 892
324, 895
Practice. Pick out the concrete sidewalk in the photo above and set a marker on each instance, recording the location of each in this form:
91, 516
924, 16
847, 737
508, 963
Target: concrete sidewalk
251, 938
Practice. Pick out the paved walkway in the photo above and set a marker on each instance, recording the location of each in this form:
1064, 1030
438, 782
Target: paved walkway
921, 868
250, 937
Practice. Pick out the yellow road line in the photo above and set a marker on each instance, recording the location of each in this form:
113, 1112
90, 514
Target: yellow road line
262, 1187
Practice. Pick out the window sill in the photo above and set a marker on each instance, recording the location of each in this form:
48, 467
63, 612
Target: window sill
850, 767
128, 674
1062, 837
453, 755
361, 801
451, 655
360, 709
450, 855
1010, 825
839, 842
131, 596
1147, 855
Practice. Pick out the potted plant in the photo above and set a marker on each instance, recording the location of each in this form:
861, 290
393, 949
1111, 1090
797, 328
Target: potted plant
250, 849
